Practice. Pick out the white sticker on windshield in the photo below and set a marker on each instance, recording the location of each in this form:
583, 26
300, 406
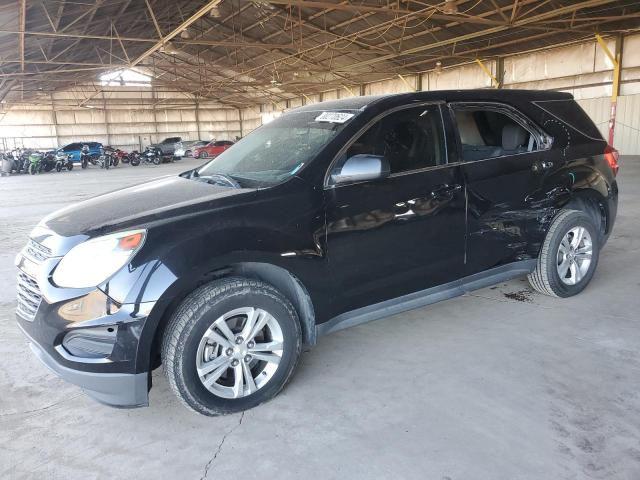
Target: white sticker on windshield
334, 117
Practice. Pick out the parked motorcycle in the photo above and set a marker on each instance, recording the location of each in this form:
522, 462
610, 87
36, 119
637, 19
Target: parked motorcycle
121, 156
134, 158
49, 161
149, 156
109, 158
63, 161
85, 157
15, 160
35, 162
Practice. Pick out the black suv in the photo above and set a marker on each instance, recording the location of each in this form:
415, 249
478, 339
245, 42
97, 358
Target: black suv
332, 215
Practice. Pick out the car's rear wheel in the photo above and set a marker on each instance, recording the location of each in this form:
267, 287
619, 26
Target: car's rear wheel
569, 255
231, 345
204, 155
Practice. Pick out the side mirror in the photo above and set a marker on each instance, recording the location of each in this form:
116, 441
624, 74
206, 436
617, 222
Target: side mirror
360, 168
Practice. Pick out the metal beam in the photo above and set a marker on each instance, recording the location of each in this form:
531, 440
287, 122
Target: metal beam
203, 42
22, 21
176, 31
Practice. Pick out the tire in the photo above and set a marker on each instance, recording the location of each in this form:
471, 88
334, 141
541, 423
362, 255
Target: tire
84, 163
69, 166
58, 167
204, 155
182, 346
156, 160
546, 277
116, 161
32, 169
187, 153
135, 162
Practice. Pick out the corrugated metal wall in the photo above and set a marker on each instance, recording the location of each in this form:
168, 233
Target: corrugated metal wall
581, 69
128, 128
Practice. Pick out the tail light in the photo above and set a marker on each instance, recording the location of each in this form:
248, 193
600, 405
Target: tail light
612, 155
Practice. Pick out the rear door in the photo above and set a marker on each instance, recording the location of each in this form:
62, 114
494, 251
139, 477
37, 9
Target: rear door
505, 158
403, 233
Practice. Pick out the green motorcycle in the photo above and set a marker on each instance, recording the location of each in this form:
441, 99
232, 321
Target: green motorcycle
35, 162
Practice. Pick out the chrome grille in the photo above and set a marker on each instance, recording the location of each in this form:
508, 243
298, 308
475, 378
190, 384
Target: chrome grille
37, 252
29, 296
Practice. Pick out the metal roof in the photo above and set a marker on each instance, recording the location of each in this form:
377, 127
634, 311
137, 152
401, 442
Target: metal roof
244, 52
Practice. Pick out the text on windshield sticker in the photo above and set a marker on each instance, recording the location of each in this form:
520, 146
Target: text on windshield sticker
333, 117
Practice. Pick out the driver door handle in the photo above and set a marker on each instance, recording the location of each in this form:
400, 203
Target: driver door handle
542, 166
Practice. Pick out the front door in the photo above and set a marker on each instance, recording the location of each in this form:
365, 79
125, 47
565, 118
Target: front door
403, 233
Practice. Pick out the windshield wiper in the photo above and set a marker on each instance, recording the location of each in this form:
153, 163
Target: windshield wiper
218, 179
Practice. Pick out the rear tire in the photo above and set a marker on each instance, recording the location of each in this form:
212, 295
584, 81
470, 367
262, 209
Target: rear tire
204, 155
569, 255
228, 373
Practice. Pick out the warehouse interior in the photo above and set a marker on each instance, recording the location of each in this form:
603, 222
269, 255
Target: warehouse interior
501, 383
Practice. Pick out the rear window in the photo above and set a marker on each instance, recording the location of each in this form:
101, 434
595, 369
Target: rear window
571, 113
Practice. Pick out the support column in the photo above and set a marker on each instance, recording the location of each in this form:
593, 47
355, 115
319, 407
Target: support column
616, 60
155, 118
240, 118
106, 119
198, 119
494, 81
54, 118
500, 71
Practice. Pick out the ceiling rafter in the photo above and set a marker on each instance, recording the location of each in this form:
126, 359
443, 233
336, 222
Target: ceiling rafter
271, 50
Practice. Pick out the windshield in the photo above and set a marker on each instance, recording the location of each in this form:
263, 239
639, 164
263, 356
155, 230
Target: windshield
279, 149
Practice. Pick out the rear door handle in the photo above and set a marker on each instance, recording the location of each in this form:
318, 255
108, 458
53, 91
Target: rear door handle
445, 190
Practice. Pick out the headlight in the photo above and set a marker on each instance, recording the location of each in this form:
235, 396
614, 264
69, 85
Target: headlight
93, 262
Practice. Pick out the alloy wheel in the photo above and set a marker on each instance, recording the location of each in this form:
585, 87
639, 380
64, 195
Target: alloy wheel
574, 255
240, 352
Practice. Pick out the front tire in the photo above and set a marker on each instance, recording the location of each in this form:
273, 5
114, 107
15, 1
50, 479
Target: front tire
569, 255
231, 345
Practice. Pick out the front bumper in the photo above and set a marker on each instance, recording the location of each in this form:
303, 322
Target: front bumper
83, 335
124, 390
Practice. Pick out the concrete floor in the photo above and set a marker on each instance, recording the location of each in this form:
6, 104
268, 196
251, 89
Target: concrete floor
501, 384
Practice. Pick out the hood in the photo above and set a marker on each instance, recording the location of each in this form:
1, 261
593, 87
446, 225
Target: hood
155, 201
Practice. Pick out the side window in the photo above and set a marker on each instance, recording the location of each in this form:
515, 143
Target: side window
487, 133
409, 139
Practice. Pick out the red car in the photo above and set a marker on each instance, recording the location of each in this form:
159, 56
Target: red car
213, 149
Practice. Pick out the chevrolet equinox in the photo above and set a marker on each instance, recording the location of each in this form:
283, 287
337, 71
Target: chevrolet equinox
332, 215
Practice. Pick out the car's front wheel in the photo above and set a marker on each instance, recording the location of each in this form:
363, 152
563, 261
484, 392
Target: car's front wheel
231, 345
569, 255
